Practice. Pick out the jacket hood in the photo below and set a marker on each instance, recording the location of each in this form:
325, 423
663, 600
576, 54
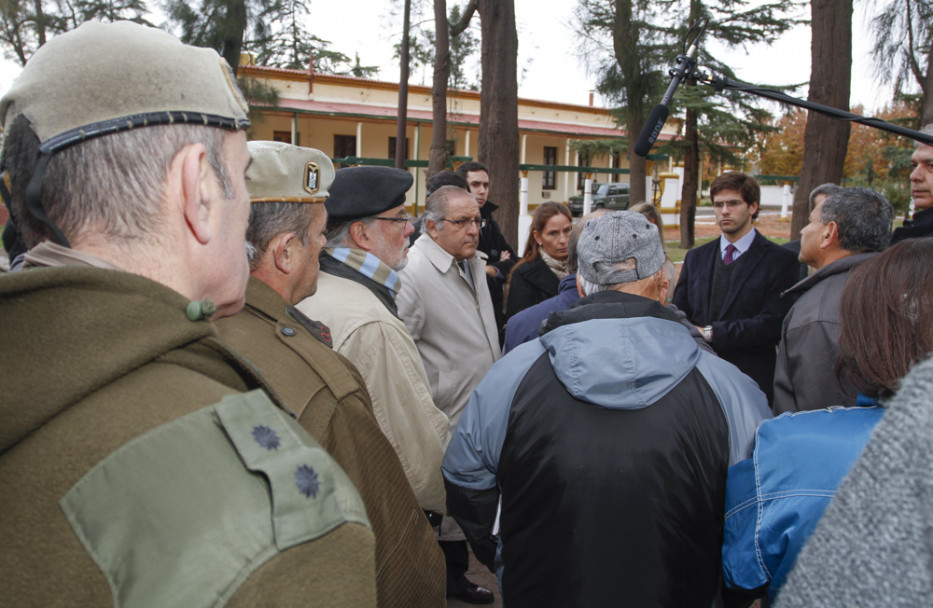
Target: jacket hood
70, 331
619, 351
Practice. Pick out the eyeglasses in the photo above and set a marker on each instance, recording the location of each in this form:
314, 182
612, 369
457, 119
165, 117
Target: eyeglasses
480, 223
393, 219
729, 204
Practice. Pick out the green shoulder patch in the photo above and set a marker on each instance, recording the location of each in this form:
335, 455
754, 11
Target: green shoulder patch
183, 514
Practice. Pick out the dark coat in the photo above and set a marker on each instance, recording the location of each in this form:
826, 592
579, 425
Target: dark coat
920, 225
530, 283
747, 329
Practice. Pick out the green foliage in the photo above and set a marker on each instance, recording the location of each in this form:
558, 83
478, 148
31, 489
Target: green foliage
27, 25
902, 36
595, 148
273, 30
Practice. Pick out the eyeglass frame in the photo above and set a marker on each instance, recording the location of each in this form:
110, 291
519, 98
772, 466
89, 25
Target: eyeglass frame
461, 224
406, 219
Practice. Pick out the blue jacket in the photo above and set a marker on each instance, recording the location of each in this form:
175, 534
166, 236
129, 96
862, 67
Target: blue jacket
525, 325
775, 498
609, 439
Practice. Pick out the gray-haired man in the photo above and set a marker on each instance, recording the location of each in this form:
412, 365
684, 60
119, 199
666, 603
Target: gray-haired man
609, 438
846, 228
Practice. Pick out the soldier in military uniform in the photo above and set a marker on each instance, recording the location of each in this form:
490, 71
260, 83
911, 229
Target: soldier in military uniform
139, 464
288, 186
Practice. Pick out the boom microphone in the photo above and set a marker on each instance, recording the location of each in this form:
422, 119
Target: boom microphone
683, 68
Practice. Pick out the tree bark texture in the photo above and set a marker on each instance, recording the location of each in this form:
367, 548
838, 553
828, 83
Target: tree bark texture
402, 124
825, 139
688, 195
498, 124
624, 39
437, 157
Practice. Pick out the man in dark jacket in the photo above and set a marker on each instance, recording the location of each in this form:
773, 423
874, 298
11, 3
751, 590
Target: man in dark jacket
609, 438
846, 229
500, 255
730, 288
921, 191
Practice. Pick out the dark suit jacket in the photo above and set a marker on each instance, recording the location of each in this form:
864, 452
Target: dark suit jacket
747, 329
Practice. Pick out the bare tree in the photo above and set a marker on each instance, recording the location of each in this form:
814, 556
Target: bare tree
443, 32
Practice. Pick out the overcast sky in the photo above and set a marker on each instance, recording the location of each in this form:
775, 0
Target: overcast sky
549, 64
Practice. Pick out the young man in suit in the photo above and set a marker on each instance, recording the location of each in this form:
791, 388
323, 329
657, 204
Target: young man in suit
731, 287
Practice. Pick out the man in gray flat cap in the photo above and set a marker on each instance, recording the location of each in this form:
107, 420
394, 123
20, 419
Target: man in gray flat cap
288, 186
620, 431
140, 463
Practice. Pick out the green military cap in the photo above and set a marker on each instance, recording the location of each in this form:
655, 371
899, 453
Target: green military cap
283, 173
103, 78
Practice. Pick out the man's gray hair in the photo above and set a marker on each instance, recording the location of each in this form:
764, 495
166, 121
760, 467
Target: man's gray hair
589, 287
864, 218
435, 208
111, 185
824, 189
338, 233
268, 220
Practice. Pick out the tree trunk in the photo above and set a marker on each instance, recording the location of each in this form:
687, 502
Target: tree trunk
825, 139
498, 125
926, 88
231, 44
625, 38
437, 157
688, 195
402, 124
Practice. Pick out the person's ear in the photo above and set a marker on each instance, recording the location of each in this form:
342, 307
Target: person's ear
283, 251
431, 228
830, 235
359, 234
197, 179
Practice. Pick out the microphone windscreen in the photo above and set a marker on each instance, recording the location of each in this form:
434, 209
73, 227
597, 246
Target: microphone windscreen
651, 130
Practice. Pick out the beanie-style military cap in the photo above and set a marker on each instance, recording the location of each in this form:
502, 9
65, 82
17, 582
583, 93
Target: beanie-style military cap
283, 173
103, 78
609, 240
361, 192
106, 77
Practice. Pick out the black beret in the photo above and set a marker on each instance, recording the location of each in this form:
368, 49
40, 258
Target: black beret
361, 192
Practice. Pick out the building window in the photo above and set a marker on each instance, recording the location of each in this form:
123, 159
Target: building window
451, 147
615, 162
581, 176
286, 137
344, 145
392, 141
549, 180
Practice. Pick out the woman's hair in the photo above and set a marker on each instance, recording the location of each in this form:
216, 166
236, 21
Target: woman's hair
651, 214
886, 318
542, 216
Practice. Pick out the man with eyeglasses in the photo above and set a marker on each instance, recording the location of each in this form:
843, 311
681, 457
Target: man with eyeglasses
447, 309
367, 244
731, 287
